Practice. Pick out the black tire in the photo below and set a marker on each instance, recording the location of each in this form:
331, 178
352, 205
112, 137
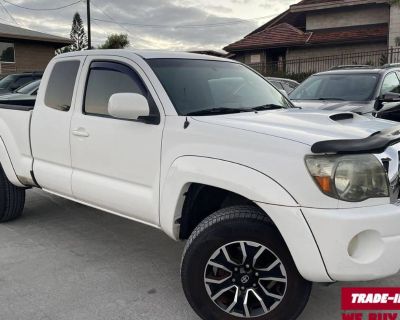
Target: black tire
227, 226
12, 199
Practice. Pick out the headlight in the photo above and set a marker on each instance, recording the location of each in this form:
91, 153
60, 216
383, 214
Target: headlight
351, 178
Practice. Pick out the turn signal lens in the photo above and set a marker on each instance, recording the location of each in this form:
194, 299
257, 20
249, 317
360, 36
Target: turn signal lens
324, 183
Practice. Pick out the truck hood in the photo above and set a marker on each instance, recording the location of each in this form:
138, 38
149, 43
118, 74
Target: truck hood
342, 106
303, 126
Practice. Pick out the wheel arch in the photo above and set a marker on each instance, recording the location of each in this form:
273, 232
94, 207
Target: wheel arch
189, 171
7, 166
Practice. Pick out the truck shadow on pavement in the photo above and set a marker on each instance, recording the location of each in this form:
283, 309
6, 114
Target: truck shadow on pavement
63, 260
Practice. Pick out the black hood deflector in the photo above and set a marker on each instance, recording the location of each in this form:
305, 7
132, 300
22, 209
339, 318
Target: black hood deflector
376, 143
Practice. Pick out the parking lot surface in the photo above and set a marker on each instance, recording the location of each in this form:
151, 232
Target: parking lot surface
65, 261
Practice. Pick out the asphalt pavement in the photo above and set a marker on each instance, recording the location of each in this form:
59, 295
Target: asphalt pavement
65, 261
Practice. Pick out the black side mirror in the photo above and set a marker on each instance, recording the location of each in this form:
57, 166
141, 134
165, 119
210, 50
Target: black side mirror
391, 98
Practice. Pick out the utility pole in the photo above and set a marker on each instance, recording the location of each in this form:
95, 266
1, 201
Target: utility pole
89, 26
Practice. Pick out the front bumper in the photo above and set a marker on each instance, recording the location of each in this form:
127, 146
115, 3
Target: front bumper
357, 244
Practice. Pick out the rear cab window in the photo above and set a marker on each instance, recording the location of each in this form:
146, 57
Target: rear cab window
60, 88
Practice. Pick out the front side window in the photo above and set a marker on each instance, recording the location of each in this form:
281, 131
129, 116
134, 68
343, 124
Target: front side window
7, 53
339, 87
108, 78
391, 84
60, 88
196, 86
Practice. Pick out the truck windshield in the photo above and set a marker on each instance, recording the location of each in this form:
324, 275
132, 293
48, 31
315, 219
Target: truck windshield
5, 82
340, 87
202, 87
27, 89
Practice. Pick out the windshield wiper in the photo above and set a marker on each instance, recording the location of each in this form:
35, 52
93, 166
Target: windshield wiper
330, 99
211, 111
267, 107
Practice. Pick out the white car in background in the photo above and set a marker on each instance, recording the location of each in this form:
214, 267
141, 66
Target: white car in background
283, 84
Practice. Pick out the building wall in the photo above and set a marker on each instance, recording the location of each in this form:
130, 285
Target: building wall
348, 17
250, 57
260, 56
29, 56
394, 30
326, 57
319, 52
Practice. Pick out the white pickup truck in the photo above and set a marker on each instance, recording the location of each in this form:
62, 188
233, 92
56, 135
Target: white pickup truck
270, 197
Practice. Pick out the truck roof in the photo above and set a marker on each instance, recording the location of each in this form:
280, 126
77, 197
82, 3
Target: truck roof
145, 54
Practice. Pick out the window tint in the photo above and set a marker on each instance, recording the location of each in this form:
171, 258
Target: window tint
60, 88
391, 84
108, 78
199, 85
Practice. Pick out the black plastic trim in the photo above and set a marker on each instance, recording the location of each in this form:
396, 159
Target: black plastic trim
342, 116
376, 143
16, 107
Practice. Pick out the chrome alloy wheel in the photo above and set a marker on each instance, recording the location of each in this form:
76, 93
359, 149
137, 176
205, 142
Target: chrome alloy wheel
245, 279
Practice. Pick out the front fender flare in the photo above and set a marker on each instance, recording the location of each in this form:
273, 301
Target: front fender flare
220, 174
267, 193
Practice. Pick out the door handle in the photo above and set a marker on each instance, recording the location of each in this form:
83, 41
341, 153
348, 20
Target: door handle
80, 132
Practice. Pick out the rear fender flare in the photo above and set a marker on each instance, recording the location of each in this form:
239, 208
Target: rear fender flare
7, 165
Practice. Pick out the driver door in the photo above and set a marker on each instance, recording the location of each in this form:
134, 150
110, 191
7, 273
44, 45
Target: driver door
116, 162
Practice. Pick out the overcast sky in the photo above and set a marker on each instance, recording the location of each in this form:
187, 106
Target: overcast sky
168, 13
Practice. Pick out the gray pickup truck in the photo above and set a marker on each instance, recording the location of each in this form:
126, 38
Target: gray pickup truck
363, 90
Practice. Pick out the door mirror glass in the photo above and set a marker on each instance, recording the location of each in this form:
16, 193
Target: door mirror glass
129, 106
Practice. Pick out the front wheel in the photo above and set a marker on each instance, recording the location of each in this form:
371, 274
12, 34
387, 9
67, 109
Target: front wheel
236, 265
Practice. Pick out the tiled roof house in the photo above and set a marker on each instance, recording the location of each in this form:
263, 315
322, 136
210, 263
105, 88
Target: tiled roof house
316, 28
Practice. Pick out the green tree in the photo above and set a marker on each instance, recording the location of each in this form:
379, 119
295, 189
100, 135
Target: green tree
397, 2
116, 41
77, 35
8, 55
